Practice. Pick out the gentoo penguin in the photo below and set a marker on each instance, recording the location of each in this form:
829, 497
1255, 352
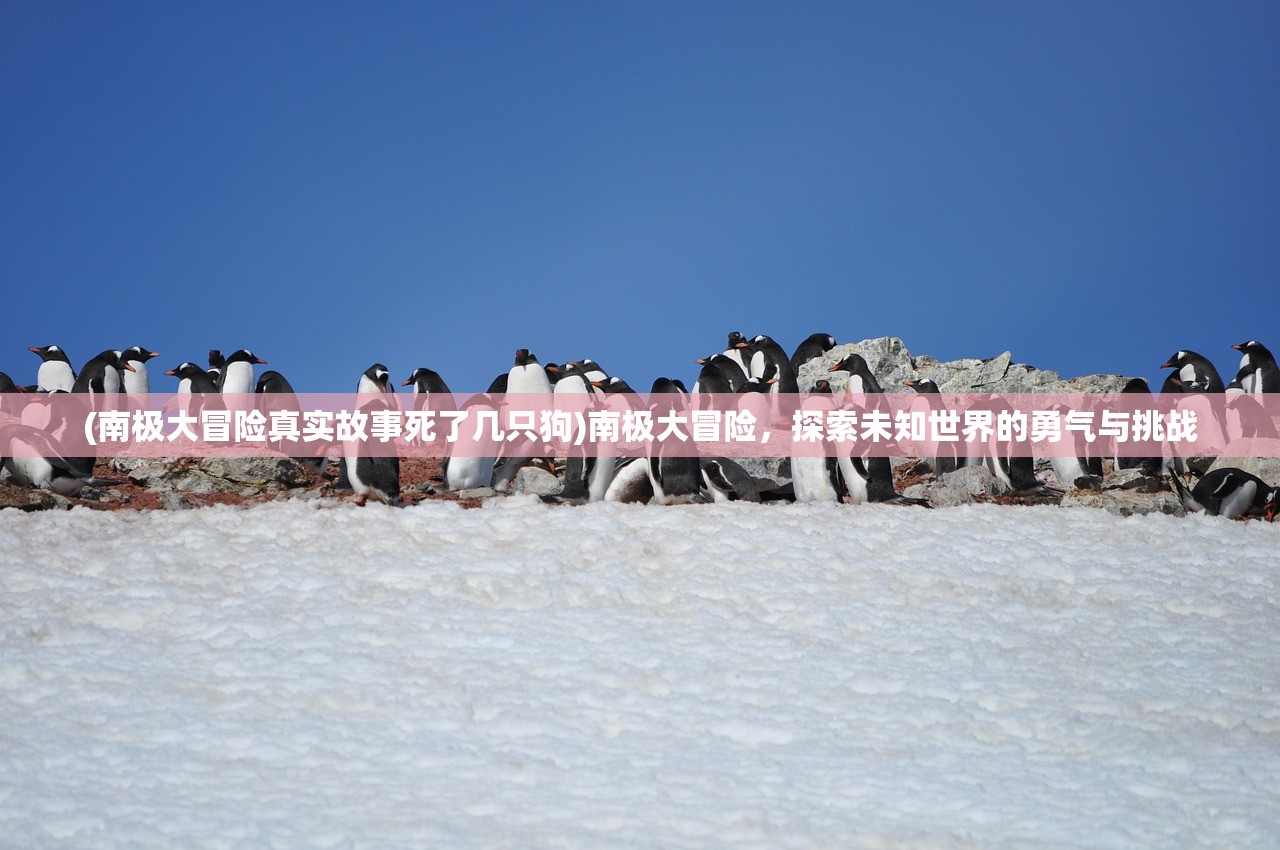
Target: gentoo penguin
55, 369
591, 369
373, 381
276, 394
429, 390
34, 459
815, 346
675, 480
216, 362
573, 393
946, 460
729, 370
727, 481
861, 380
711, 379
1194, 372
1258, 371
1149, 465
378, 477
192, 379
526, 377
237, 372
553, 372
1230, 493
736, 351
1069, 470
136, 380
101, 375
614, 384
466, 473
816, 478
763, 352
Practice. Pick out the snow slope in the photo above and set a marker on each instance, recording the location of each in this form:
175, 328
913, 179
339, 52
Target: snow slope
625, 676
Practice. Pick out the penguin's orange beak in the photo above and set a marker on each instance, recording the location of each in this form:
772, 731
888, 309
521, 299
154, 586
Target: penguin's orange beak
259, 361
33, 349
910, 383
1237, 347
173, 372
129, 368
407, 382
153, 354
742, 345
835, 368
597, 383
772, 381
1166, 365
1271, 513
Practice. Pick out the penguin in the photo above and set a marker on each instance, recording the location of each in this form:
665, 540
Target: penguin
614, 384
467, 473
861, 380
572, 393
591, 369
275, 393
816, 478
55, 369
734, 350
1069, 470
763, 352
192, 379
527, 375
1258, 372
1195, 372
1231, 493
815, 346
675, 480
374, 381
429, 390
376, 476
729, 370
216, 362
237, 375
101, 375
553, 372
711, 379
1149, 465
34, 458
727, 481
136, 380
947, 460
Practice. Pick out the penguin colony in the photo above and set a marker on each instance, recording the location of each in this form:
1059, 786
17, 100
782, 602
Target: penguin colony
744, 366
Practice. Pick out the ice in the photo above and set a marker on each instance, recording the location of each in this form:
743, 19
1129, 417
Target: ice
302, 674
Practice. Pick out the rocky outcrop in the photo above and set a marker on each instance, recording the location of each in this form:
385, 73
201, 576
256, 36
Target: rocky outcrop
242, 476
892, 364
961, 487
1266, 468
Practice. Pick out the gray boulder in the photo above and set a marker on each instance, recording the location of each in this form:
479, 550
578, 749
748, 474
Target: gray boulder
535, 481
247, 476
959, 488
1125, 502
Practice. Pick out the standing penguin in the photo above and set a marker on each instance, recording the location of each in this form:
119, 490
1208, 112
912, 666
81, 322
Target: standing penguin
1149, 465
947, 459
101, 375
815, 346
526, 377
675, 480
816, 478
136, 380
1258, 372
378, 476
237, 374
761, 353
55, 369
192, 380
861, 379
730, 370
1195, 374
429, 389
476, 470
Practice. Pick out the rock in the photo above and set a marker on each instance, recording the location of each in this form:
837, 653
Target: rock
1125, 502
535, 481
892, 364
476, 493
770, 473
27, 499
172, 501
1133, 479
247, 476
959, 488
1266, 468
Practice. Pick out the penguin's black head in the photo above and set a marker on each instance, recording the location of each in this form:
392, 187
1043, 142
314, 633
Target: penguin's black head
113, 358
139, 354
49, 352
1136, 385
1179, 359
1252, 347
737, 340
853, 364
272, 381
185, 370
921, 385
664, 385
1271, 506
822, 386
379, 376
216, 360
524, 358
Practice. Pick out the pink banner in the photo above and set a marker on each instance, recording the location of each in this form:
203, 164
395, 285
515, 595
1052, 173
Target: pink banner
753, 424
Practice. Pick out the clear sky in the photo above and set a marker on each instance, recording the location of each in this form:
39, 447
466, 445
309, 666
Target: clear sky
1089, 185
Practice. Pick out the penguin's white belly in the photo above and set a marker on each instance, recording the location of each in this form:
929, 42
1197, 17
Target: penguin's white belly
137, 382
466, 473
55, 375
810, 482
1067, 470
238, 377
855, 484
1239, 502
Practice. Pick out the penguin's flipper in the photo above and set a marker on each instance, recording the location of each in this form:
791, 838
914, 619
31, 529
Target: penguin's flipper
1188, 500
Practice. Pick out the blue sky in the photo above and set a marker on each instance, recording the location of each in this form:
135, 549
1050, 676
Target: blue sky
1091, 186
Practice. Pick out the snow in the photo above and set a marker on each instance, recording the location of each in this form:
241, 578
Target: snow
629, 676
